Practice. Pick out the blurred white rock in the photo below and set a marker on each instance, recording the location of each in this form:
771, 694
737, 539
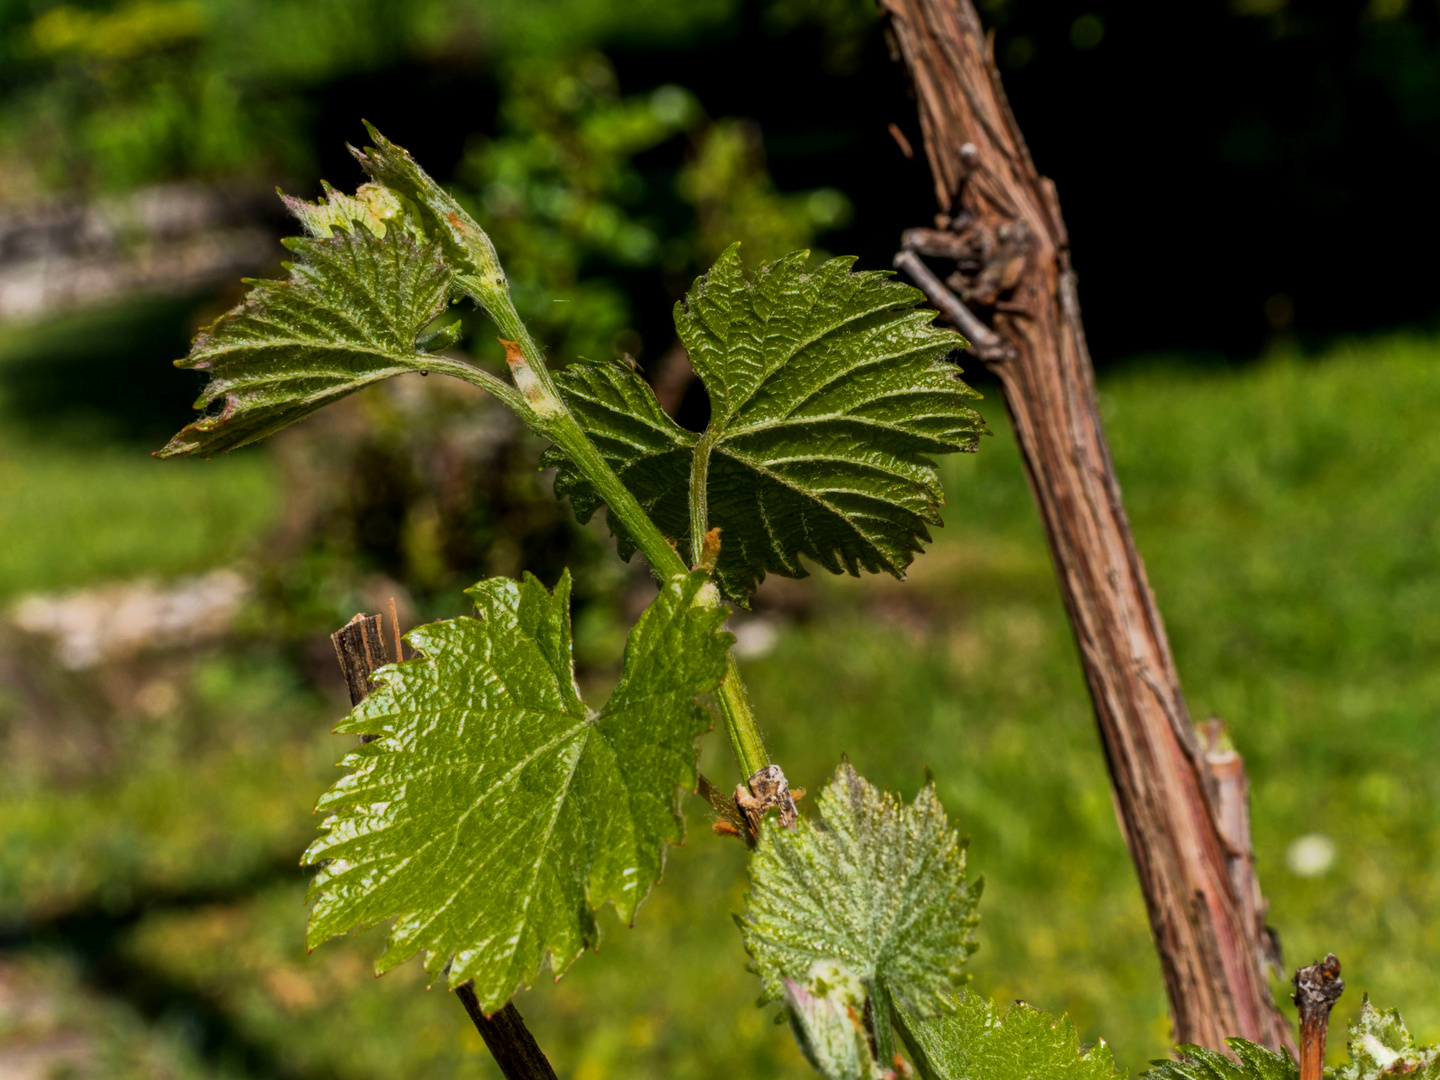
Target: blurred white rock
112, 622
755, 637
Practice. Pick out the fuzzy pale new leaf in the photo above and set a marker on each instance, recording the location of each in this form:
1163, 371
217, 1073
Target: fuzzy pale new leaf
358, 296
877, 886
494, 812
976, 1040
1381, 1045
831, 1033
827, 388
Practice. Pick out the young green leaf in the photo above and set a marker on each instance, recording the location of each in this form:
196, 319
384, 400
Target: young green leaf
979, 1041
358, 296
1256, 1063
373, 205
827, 389
878, 887
466, 245
494, 812
1380, 1045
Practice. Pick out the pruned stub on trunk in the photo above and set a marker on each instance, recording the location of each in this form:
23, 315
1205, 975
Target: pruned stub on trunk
995, 262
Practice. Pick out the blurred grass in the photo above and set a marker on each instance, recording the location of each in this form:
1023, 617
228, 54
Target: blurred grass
82, 401
1287, 512
69, 516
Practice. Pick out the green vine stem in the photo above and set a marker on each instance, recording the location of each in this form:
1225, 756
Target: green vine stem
699, 502
734, 705
538, 401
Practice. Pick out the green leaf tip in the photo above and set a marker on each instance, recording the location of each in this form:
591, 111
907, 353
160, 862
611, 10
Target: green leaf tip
494, 812
356, 300
877, 886
467, 247
974, 1039
828, 389
1255, 1062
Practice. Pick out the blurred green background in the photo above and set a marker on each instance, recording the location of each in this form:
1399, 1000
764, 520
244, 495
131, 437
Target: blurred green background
166, 682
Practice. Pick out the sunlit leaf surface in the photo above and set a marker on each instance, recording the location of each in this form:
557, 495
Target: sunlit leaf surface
494, 812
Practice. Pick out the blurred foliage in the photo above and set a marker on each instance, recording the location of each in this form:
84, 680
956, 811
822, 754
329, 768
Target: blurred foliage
1328, 110
561, 195
50, 1019
1315, 478
49, 496
146, 777
424, 482
109, 96
580, 196
735, 199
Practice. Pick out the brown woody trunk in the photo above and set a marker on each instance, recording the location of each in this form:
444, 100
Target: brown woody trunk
1002, 231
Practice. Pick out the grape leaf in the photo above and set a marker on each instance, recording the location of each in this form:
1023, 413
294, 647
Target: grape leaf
1256, 1063
350, 314
878, 887
827, 389
1380, 1045
979, 1041
494, 812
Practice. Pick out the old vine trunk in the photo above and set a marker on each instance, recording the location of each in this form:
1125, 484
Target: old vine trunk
1013, 293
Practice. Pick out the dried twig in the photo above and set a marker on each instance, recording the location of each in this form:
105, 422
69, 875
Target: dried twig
1317, 988
360, 648
395, 628
984, 342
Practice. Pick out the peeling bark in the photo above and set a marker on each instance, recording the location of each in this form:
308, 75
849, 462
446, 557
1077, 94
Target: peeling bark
1008, 285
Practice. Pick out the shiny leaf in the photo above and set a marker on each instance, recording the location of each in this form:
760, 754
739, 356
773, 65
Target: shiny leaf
877, 886
494, 812
827, 387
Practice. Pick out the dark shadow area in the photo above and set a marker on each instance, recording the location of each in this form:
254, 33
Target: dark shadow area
94, 939
102, 376
1228, 177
